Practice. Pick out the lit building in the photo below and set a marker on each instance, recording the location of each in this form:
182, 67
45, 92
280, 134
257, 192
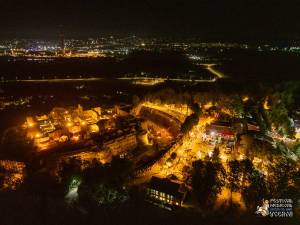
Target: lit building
220, 132
13, 173
296, 122
30, 122
252, 126
94, 128
164, 193
110, 131
297, 128
122, 144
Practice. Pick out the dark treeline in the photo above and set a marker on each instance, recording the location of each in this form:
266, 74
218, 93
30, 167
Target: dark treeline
239, 65
166, 63
261, 66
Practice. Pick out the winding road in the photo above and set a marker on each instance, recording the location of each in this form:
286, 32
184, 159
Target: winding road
210, 68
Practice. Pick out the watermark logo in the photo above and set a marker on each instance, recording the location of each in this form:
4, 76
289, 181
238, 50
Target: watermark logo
263, 209
275, 208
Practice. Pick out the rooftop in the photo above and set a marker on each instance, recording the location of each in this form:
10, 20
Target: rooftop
166, 186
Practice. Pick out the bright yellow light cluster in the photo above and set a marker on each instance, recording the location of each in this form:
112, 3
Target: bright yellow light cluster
208, 105
266, 104
245, 98
69, 124
76, 138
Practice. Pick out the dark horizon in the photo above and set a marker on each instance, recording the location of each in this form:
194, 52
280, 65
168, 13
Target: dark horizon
214, 19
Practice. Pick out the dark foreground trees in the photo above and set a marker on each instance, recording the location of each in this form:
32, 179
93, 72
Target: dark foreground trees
207, 181
105, 185
191, 120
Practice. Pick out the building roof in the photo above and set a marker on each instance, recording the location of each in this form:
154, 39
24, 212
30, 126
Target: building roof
221, 124
166, 186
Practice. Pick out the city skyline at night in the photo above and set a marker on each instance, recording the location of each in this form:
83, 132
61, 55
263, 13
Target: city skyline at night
149, 112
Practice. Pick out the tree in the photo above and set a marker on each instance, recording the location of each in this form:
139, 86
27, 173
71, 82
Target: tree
255, 190
189, 123
253, 183
1, 181
135, 100
284, 179
67, 170
246, 170
196, 109
236, 106
216, 154
283, 102
122, 169
2, 176
207, 181
234, 176
296, 149
104, 185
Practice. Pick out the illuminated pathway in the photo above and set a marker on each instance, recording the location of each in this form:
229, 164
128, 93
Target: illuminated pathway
101, 79
56, 80
210, 68
218, 74
191, 149
170, 79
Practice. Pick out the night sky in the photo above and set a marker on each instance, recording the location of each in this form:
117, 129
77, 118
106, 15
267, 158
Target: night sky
223, 19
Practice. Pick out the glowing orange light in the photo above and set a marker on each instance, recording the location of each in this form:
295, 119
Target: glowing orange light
69, 124
76, 138
208, 105
266, 104
245, 99
30, 124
